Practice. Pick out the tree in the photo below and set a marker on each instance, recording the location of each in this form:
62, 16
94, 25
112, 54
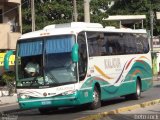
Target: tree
47, 12
99, 10
60, 11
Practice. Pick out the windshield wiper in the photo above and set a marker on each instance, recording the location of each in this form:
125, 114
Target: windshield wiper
51, 76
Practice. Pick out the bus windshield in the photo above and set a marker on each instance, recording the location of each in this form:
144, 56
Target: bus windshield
45, 62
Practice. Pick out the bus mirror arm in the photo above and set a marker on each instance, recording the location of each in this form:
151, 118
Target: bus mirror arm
75, 56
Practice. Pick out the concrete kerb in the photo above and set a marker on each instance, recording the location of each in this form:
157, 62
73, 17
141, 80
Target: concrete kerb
120, 110
5, 100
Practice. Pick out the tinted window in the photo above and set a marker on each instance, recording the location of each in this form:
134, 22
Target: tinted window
100, 44
130, 43
96, 44
143, 43
114, 44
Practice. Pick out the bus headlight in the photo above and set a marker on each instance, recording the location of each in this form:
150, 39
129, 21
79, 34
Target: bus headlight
23, 96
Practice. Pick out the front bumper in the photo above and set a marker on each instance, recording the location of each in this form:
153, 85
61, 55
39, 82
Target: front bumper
60, 101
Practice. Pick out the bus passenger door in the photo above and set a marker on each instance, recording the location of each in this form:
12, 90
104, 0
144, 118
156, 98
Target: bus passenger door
82, 64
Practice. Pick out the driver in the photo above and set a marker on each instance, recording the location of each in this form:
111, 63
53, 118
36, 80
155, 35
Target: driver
32, 68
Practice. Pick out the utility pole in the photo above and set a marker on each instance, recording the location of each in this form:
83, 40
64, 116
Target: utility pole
86, 11
151, 25
75, 10
20, 16
33, 15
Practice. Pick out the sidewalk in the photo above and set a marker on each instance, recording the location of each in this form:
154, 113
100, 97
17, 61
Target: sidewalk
8, 100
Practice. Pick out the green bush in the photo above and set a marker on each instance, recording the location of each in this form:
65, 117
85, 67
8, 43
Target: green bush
8, 77
2, 83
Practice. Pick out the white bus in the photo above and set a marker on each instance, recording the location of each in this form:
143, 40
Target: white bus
81, 63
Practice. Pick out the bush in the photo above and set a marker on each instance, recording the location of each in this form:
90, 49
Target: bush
8, 77
2, 83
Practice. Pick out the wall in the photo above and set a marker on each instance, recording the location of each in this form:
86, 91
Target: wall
4, 28
13, 37
8, 39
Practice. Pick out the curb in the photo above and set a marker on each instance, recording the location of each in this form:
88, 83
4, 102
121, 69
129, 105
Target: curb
8, 104
5, 100
121, 110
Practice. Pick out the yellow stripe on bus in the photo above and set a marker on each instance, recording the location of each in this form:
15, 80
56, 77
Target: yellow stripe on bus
102, 73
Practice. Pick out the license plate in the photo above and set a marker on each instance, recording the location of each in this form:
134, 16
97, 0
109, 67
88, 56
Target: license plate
46, 102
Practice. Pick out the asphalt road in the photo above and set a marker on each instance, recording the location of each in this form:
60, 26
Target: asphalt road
82, 111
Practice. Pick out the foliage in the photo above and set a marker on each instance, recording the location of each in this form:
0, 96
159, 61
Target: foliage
8, 77
47, 12
98, 10
2, 83
61, 11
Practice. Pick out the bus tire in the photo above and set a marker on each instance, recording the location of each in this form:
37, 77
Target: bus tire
96, 99
137, 94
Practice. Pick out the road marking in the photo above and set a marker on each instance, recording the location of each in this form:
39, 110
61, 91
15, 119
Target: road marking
120, 110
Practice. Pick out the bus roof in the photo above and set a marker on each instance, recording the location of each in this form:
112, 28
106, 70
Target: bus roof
75, 28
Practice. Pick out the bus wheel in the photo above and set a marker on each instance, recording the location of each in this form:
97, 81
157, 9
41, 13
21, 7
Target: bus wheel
96, 99
137, 94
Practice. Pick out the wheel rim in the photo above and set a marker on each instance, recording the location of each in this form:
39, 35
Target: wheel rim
138, 90
95, 97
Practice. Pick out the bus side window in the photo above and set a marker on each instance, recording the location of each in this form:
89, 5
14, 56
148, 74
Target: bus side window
101, 44
145, 43
139, 46
128, 46
108, 44
95, 42
121, 44
113, 46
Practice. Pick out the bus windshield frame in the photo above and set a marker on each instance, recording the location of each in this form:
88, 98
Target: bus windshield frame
53, 56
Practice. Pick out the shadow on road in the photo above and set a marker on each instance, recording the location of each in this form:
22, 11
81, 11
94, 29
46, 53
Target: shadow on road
157, 86
67, 110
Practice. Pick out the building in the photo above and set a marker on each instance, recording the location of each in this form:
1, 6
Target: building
10, 29
10, 23
127, 20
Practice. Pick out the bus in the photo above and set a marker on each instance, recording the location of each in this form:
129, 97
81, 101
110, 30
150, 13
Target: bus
81, 63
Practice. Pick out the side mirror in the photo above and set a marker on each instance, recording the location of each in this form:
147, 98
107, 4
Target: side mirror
6, 59
75, 56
